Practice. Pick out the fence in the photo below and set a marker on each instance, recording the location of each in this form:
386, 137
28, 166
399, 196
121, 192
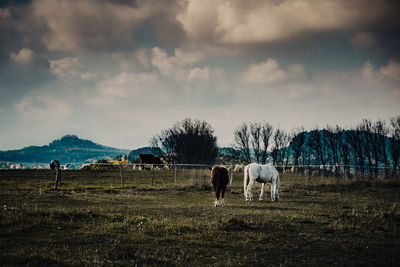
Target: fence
129, 175
123, 175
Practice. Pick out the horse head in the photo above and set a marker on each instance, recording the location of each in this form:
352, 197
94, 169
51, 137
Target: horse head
277, 191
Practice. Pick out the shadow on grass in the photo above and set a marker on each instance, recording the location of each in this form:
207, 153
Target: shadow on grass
257, 207
8, 260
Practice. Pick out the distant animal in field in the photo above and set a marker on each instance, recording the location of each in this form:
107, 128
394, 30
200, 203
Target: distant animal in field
219, 179
238, 168
262, 174
149, 159
55, 165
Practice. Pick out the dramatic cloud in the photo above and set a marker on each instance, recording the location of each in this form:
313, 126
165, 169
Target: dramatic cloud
238, 22
24, 56
74, 25
121, 71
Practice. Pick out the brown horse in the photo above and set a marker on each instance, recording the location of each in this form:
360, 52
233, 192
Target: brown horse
219, 178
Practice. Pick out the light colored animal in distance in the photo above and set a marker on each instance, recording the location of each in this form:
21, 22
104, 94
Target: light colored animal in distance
238, 168
262, 174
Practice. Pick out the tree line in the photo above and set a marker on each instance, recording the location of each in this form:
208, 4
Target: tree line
371, 148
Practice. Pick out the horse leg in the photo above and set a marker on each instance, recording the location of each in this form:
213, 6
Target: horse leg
249, 195
215, 190
217, 193
222, 196
58, 178
273, 191
262, 191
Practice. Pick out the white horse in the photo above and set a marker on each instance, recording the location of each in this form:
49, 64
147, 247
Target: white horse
262, 174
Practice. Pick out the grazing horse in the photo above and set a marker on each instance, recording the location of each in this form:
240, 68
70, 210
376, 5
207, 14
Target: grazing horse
262, 174
219, 178
55, 164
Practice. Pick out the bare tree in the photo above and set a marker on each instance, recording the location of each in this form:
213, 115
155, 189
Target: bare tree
317, 147
395, 143
255, 132
333, 141
379, 152
280, 140
286, 148
345, 155
266, 132
297, 145
353, 138
365, 130
333, 138
242, 141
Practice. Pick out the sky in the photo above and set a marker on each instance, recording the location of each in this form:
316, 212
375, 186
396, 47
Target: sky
118, 72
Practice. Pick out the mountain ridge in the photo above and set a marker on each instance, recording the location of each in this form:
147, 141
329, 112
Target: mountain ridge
69, 148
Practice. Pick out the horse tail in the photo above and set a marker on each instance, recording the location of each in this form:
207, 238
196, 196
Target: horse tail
246, 179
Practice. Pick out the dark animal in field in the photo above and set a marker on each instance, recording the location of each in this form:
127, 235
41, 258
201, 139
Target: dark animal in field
149, 159
219, 178
55, 164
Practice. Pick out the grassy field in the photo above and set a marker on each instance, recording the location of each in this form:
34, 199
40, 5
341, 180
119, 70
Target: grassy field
92, 221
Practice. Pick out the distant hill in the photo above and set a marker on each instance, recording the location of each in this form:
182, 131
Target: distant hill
68, 149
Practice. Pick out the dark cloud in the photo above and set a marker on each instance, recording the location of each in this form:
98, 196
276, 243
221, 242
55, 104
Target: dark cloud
223, 61
13, 3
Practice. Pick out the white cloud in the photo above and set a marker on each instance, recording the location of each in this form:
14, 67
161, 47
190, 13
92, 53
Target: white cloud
24, 56
270, 72
367, 71
238, 22
40, 107
65, 67
175, 66
168, 64
139, 88
162, 62
143, 56
363, 40
201, 75
88, 76
389, 72
392, 70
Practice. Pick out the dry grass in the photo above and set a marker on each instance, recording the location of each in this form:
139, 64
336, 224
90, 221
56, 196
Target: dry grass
92, 221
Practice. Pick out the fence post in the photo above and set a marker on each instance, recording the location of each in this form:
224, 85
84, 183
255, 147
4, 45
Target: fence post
122, 177
230, 183
175, 172
152, 178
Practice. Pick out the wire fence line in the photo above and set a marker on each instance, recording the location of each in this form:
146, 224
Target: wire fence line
80, 165
125, 174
